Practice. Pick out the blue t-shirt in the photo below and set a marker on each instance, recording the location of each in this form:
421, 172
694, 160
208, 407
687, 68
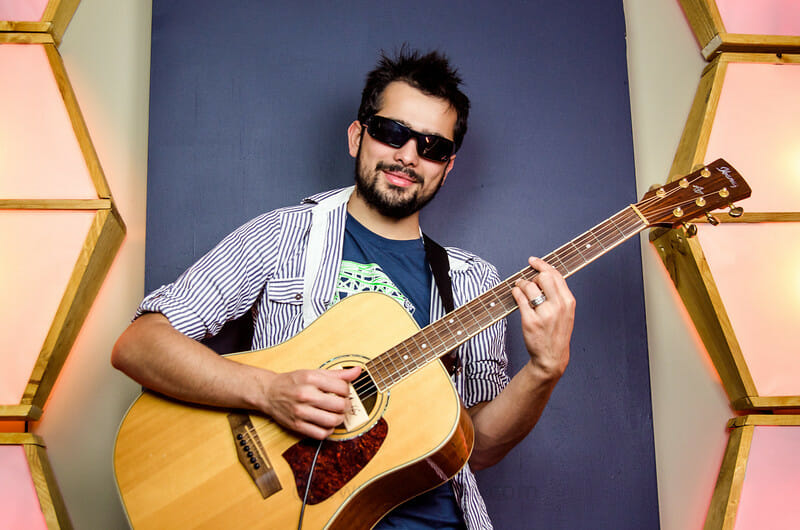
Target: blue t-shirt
399, 269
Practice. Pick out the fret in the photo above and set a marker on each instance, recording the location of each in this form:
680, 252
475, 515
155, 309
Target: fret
444, 327
423, 346
560, 267
594, 233
409, 348
616, 225
568, 259
441, 344
392, 370
578, 251
405, 354
590, 250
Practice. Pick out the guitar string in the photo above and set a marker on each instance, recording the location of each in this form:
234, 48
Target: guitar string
596, 233
443, 344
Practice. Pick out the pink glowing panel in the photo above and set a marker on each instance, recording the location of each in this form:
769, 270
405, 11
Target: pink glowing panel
755, 269
39, 251
772, 480
22, 10
39, 153
756, 130
764, 17
19, 504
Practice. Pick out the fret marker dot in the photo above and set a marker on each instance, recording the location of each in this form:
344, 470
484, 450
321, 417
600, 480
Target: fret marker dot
451, 320
491, 305
405, 357
424, 345
458, 332
588, 245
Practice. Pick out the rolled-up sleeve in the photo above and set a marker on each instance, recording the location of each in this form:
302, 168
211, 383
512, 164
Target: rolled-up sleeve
223, 284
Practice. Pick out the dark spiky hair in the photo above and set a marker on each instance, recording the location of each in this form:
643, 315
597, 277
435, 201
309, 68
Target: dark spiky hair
430, 73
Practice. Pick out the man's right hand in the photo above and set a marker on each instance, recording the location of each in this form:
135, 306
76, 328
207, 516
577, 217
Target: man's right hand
309, 402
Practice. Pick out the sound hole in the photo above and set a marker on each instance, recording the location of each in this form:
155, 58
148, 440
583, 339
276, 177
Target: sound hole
368, 403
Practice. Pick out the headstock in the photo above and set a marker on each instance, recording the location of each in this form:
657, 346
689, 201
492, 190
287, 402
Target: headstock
717, 185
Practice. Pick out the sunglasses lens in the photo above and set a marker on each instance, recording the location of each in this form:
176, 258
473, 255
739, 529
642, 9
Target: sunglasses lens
396, 134
434, 148
388, 131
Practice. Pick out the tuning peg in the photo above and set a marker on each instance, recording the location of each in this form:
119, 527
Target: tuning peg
691, 229
713, 221
735, 211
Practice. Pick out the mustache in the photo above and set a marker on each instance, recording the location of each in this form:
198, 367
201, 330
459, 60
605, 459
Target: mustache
381, 166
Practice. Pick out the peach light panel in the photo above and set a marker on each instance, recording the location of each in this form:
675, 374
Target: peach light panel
19, 504
755, 269
40, 157
772, 480
40, 249
22, 10
762, 17
757, 129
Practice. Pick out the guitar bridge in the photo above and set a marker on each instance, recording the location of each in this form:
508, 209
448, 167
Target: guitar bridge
252, 455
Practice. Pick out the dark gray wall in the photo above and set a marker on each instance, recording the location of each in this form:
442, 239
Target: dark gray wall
248, 111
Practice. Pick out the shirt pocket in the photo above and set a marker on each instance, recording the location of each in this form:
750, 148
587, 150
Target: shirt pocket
285, 300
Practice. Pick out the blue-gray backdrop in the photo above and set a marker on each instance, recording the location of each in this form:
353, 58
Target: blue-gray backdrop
249, 105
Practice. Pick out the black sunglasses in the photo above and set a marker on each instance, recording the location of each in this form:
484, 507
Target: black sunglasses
390, 132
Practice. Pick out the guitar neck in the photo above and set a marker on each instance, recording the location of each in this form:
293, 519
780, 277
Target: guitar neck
458, 326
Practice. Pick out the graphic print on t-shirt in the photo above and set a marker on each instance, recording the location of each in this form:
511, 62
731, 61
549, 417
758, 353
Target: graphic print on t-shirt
360, 277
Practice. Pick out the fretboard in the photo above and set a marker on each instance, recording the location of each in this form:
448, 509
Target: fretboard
463, 323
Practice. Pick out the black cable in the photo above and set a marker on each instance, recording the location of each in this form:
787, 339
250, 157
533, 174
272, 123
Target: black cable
308, 485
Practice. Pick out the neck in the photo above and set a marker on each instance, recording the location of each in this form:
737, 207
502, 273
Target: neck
388, 227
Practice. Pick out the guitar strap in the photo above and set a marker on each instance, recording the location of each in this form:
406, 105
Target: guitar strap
440, 266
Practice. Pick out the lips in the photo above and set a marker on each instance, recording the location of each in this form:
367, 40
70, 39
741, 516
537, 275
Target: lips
399, 179
399, 176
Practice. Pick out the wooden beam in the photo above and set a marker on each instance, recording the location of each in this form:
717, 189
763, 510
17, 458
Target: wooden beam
78, 123
25, 27
20, 412
725, 499
756, 217
19, 438
50, 500
767, 403
55, 204
694, 140
26, 38
744, 43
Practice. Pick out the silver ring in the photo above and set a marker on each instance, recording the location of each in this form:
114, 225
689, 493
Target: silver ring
539, 300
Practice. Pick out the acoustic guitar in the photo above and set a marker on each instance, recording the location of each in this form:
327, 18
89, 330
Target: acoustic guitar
180, 465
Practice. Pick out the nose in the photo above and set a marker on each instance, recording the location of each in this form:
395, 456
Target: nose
407, 154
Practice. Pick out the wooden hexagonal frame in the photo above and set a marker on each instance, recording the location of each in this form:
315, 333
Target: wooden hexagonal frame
100, 245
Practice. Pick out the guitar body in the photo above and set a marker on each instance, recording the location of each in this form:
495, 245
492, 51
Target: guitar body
179, 465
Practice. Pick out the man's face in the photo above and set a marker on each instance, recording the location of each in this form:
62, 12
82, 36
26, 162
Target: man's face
397, 182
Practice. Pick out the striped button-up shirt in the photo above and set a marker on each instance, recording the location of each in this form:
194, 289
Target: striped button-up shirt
283, 266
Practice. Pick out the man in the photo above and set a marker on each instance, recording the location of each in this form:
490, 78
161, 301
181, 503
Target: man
289, 265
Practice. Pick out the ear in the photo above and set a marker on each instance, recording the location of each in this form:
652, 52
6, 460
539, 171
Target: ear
354, 133
447, 169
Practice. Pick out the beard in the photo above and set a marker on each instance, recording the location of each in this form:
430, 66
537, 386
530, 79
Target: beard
394, 201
